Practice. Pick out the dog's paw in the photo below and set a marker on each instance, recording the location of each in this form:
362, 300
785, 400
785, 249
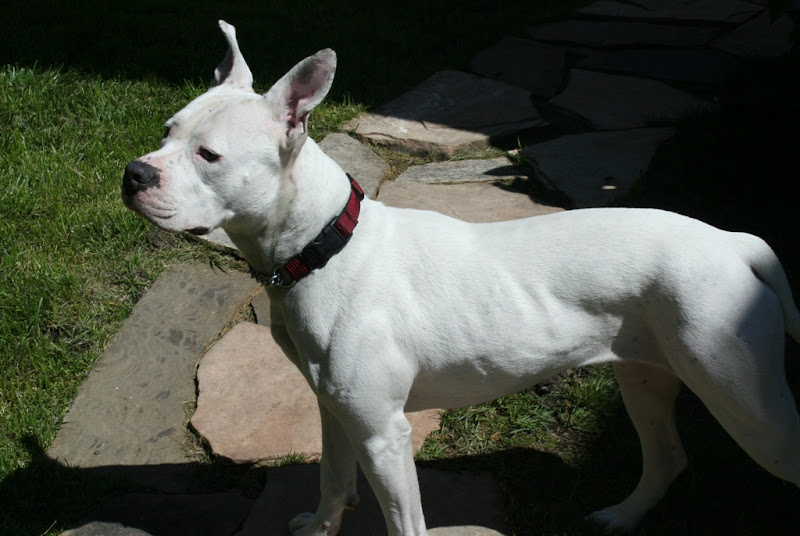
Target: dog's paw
611, 520
306, 524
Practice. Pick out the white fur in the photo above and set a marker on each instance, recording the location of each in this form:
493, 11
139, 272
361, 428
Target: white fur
420, 310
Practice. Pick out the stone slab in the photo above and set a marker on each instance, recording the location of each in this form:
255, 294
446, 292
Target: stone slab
616, 102
148, 514
254, 405
479, 202
366, 167
712, 11
449, 112
760, 38
130, 411
594, 33
595, 168
455, 504
696, 67
261, 309
537, 67
461, 171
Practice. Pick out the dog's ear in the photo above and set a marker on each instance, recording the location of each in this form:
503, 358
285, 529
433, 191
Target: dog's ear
293, 97
233, 71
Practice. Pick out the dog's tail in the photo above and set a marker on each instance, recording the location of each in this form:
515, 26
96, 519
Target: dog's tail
767, 268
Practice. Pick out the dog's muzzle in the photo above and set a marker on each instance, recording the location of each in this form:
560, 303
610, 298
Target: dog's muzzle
138, 177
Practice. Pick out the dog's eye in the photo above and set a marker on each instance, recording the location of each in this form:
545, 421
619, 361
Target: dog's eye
208, 156
166, 132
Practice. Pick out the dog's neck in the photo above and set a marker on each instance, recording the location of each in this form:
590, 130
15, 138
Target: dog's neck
312, 192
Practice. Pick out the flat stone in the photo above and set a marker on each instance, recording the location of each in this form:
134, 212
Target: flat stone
130, 411
697, 67
713, 11
594, 168
449, 112
460, 171
615, 102
261, 309
478, 202
366, 167
537, 67
620, 33
454, 503
760, 38
254, 405
148, 514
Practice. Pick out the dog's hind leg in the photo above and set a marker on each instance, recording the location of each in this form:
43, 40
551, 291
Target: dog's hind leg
754, 404
337, 481
649, 394
735, 364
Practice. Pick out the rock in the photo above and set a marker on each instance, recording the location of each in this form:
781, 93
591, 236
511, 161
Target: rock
473, 202
261, 309
130, 411
696, 67
537, 67
254, 405
713, 11
594, 168
460, 171
449, 112
149, 514
615, 102
454, 503
595, 33
366, 167
759, 38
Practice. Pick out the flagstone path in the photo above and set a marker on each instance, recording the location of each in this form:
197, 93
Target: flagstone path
595, 96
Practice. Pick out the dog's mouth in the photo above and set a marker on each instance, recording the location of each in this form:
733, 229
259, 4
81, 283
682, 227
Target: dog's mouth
198, 231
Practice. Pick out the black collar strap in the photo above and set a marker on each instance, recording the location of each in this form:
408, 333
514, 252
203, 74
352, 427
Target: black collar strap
319, 251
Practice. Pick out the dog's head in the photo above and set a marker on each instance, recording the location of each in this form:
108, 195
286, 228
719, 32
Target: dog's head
225, 157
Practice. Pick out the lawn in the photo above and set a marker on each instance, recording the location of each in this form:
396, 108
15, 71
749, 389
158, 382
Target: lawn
84, 89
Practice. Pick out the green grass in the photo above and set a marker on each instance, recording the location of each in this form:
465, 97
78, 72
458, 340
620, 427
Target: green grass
85, 89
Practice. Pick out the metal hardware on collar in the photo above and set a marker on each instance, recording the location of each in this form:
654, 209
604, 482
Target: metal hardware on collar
330, 241
277, 279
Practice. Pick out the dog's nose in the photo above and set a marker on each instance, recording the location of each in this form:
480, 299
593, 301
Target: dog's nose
139, 176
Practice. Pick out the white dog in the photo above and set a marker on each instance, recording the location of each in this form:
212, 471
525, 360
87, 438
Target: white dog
388, 310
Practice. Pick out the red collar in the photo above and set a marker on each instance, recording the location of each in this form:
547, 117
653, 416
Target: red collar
329, 242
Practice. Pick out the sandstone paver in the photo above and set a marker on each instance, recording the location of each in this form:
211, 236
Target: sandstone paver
448, 112
457, 503
596, 33
697, 68
474, 202
759, 38
616, 102
713, 11
596, 167
366, 167
460, 171
537, 67
254, 405
130, 411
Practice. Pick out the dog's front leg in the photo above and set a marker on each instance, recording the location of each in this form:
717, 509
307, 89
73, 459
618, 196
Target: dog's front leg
386, 456
337, 482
